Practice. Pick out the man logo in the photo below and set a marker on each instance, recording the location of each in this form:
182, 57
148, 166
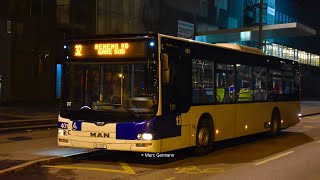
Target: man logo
100, 123
102, 135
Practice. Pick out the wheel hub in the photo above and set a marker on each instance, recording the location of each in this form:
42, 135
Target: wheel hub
203, 137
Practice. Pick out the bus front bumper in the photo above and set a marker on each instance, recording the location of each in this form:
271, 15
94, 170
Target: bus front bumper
128, 145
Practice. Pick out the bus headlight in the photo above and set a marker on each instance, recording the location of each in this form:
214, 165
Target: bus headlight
145, 136
62, 132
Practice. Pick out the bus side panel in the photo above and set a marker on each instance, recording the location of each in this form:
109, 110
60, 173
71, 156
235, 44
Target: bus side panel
289, 113
191, 118
245, 124
223, 117
224, 121
256, 116
169, 144
262, 115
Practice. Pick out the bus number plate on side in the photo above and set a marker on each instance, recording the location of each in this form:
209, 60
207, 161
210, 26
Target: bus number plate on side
100, 146
63, 125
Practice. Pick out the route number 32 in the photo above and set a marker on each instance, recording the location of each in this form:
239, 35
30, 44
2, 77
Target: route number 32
78, 50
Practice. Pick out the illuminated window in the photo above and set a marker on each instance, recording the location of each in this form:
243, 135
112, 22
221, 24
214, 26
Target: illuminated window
292, 54
314, 60
225, 83
58, 81
259, 83
274, 84
244, 82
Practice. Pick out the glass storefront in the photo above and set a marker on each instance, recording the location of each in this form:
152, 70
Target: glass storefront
285, 52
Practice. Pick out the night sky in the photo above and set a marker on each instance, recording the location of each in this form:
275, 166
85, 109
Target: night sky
308, 13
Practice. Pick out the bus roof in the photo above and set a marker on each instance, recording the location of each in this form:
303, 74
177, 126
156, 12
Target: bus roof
231, 46
241, 48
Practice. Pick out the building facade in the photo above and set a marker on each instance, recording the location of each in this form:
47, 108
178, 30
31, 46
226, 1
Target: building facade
32, 34
27, 34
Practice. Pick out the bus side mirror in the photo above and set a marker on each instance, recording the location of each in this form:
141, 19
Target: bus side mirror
165, 68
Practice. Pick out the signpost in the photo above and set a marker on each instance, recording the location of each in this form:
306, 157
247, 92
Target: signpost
185, 30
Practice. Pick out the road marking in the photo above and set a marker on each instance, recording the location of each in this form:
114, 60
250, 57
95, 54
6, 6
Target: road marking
125, 166
195, 170
273, 158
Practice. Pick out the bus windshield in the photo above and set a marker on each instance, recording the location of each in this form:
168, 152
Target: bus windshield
111, 87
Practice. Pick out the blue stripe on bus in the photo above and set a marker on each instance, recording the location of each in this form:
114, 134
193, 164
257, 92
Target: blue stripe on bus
130, 130
161, 127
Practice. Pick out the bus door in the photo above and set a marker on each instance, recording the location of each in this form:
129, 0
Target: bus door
176, 84
176, 99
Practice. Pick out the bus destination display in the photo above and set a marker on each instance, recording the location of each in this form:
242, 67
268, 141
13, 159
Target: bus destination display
108, 50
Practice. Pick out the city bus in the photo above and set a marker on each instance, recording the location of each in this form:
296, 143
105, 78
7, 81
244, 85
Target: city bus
157, 93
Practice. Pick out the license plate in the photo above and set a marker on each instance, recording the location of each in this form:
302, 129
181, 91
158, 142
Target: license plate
100, 146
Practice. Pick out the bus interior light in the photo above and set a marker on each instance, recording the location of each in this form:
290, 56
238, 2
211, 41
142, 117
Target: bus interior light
151, 44
299, 114
64, 47
281, 121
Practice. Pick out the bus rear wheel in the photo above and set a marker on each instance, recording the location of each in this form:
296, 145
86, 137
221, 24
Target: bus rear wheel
203, 138
275, 123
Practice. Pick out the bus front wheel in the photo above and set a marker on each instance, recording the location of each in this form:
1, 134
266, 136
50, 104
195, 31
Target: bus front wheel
203, 138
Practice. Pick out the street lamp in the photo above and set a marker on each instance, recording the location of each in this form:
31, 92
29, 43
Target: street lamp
260, 24
121, 81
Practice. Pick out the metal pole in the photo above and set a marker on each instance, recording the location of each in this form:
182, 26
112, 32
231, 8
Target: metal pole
260, 24
121, 81
96, 17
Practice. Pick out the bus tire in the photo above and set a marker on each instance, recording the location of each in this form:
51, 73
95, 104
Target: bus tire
275, 123
203, 138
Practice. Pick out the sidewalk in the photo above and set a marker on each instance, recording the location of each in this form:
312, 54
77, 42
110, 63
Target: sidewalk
22, 150
29, 111
310, 107
25, 149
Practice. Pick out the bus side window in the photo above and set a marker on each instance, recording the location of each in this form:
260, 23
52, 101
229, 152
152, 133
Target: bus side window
202, 81
220, 94
245, 95
259, 84
274, 85
244, 82
225, 83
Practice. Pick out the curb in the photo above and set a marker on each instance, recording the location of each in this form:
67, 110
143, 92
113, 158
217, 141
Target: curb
312, 114
50, 160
